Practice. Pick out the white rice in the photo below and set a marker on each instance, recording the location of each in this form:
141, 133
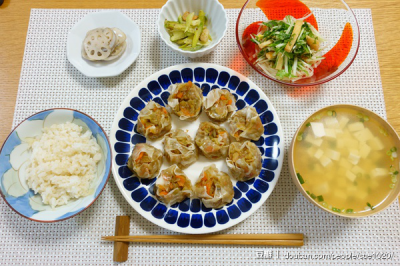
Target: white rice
63, 163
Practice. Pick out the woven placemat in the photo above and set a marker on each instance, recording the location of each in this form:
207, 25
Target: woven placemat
49, 80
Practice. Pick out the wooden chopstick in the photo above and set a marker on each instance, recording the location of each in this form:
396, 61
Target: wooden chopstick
239, 239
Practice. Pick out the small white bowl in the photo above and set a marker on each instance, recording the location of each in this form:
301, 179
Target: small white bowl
101, 20
217, 22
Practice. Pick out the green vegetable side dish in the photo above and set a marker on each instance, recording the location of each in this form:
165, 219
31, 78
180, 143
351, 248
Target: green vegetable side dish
190, 31
288, 49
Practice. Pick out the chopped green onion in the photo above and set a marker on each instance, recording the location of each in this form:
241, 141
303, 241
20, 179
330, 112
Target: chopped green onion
300, 136
349, 211
308, 124
313, 196
301, 180
320, 198
308, 192
396, 172
369, 205
394, 179
394, 149
336, 209
392, 185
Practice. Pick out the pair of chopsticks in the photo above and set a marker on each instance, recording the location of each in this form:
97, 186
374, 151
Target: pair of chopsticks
239, 239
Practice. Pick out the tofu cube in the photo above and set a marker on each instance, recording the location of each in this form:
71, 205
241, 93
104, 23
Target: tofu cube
318, 129
324, 160
375, 144
351, 176
311, 151
330, 133
318, 153
353, 158
343, 120
331, 122
364, 150
357, 170
356, 126
321, 189
332, 154
361, 194
380, 172
310, 139
363, 135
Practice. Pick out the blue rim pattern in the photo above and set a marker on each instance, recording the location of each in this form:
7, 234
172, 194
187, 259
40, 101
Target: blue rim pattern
191, 214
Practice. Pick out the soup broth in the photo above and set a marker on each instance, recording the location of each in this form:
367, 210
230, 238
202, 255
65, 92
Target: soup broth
346, 161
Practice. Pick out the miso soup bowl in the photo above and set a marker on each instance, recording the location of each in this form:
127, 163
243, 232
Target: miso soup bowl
391, 197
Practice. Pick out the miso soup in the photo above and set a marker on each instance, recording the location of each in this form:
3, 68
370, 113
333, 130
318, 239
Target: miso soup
346, 161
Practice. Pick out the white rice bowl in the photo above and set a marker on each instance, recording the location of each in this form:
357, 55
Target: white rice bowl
63, 163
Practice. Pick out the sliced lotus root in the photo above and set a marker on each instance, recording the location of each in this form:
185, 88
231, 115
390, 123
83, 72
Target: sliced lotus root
111, 36
83, 52
118, 51
121, 37
97, 45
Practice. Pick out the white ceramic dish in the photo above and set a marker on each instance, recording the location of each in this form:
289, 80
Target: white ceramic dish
190, 216
217, 22
100, 20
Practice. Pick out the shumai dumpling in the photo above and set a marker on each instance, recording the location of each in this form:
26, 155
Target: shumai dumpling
244, 160
154, 121
214, 187
219, 105
185, 100
212, 140
179, 148
145, 161
246, 124
172, 186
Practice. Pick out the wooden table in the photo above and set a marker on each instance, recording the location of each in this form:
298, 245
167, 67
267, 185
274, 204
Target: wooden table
14, 19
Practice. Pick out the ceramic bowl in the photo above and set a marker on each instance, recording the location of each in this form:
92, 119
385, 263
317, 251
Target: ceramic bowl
14, 156
217, 22
334, 20
100, 20
391, 197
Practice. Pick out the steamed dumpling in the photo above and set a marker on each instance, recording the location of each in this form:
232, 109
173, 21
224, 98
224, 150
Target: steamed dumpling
219, 105
244, 160
154, 121
246, 124
212, 140
172, 186
179, 148
214, 187
185, 100
145, 161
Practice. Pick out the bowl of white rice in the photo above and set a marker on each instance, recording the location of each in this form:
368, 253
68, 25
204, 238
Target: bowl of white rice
54, 165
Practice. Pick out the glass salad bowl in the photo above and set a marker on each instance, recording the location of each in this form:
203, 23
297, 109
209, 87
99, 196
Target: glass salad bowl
326, 43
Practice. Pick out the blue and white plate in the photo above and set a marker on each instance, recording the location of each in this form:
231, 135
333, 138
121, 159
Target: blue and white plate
14, 157
190, 216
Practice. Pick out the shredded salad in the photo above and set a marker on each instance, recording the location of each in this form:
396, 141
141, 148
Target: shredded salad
288, 49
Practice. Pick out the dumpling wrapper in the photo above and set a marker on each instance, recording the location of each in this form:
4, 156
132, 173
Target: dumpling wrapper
244, 160
246, 124
154, 121
219, 105
145, 161
185, 100
172, 186
179, 148
212, 140
219, 191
